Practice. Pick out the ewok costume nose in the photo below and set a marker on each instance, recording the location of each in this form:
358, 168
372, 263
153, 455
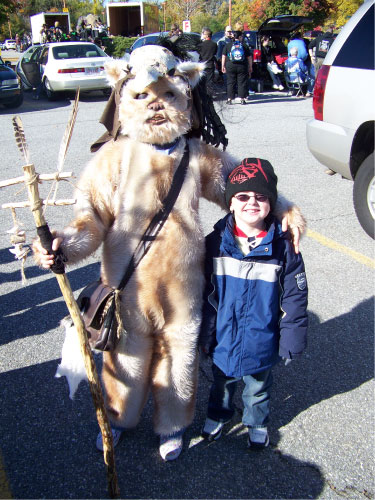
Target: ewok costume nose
156, 106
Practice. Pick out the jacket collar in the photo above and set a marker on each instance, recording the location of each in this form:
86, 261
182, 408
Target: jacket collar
228, 243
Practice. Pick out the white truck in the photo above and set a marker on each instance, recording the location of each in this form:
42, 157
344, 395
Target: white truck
48, 18
132, 18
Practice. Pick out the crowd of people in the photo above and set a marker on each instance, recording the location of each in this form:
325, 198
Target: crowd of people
84, 31
232, 58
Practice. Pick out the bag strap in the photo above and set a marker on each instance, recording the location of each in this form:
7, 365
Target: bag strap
158, 220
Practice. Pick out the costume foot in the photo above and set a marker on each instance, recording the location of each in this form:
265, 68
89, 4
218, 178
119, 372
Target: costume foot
171, 446
116, 434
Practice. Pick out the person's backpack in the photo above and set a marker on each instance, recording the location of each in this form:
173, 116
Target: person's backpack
237, 52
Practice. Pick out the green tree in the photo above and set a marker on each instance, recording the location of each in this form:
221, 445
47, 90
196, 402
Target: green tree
7, 7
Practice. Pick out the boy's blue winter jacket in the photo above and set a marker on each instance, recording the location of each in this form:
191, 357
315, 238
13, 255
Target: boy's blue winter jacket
254, 308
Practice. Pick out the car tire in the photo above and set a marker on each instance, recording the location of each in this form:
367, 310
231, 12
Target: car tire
51, 95
14, 103
364, 195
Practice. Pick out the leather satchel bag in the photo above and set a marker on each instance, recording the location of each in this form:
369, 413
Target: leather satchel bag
99, 304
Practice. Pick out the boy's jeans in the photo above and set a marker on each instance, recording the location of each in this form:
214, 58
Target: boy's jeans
256, 397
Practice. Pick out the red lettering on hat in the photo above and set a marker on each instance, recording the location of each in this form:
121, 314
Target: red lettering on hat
246, 171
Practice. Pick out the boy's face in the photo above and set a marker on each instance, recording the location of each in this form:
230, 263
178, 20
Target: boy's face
250, 209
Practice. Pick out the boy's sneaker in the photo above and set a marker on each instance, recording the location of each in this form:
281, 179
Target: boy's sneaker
116, 434
258, 438
212, 429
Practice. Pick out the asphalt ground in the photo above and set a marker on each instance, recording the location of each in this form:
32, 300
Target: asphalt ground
322, 411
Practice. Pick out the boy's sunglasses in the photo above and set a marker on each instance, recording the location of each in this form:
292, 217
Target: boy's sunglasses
244, 198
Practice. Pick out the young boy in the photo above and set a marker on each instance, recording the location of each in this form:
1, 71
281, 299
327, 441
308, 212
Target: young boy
255, 301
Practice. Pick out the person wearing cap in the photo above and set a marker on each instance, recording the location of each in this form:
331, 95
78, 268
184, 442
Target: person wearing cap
255, 301
228, 37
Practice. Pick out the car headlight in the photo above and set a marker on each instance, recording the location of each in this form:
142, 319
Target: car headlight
14, 81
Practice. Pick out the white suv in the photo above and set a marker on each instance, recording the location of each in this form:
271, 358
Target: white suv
341, 135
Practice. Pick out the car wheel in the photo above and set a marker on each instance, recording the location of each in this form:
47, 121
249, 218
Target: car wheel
51, 95
14, 103
364, 195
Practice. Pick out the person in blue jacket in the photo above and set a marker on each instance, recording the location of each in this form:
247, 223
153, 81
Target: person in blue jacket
255, 301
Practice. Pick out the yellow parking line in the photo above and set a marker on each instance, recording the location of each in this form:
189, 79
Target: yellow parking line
341, 248
4, 485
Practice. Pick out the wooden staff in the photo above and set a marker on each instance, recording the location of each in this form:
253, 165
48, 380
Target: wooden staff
31, 179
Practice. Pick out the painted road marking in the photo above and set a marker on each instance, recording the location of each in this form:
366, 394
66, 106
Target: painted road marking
327, 242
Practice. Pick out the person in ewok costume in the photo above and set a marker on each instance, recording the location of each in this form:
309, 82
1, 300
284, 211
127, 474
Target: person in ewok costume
118, 193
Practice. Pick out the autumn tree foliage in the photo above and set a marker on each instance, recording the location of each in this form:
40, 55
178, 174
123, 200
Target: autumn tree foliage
322, 12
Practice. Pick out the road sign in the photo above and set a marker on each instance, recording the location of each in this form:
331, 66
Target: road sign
186, 28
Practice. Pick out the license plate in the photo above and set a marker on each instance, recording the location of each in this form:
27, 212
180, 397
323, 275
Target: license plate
92, 71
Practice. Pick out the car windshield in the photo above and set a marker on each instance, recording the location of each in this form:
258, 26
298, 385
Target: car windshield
73, 51
149, 40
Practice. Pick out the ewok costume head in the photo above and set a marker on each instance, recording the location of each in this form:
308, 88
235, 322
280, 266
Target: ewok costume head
157, 98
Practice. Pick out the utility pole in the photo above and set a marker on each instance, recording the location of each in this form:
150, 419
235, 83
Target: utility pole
163, 5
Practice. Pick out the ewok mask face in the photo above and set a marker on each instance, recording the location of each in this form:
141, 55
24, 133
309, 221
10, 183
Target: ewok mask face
155, 101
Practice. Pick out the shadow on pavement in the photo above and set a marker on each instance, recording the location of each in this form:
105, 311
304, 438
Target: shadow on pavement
34, 307
64, 100
48, 446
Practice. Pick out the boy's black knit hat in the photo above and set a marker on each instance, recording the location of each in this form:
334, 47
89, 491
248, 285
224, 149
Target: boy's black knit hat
253, 174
